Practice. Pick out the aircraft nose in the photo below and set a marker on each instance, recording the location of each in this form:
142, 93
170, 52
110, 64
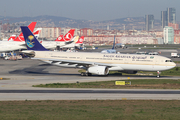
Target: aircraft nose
173, 64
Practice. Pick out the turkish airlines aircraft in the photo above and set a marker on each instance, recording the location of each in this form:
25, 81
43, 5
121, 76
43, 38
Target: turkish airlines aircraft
67, 39
97, 63
60, 41
76, 44
12, 38
20, 37
12, 45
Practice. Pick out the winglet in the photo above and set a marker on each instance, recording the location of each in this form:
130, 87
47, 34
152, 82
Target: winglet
31, 42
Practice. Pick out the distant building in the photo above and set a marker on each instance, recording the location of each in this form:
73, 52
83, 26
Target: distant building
174, 26
168, 35
171, 15
86, 32
66, 30
50, 32
164, 21
138, 39
149, 22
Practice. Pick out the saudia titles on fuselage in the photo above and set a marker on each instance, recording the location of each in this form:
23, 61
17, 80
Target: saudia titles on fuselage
29, 42
127, 56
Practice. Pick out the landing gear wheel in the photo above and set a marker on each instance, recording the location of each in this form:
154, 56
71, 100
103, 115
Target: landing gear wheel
158, 74
88, 74
83, 74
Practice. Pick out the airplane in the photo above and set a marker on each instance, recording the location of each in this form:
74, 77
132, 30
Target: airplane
68, 36
20, 37
67, 39
12, 38
12, 44
97, 63
120, 45
110, 50
76, 44
60, 41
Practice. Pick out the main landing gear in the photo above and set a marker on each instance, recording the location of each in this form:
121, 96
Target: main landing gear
158, 74
85, 74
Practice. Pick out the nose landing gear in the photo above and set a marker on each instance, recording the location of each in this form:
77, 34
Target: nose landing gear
158, 74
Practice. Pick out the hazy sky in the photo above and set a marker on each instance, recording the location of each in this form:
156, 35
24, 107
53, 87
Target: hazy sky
96, 10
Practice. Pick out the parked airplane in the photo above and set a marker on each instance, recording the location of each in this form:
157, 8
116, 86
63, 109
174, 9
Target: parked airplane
120, 45
110, 50
76, 44
12, 38
20, 37
97, 63
67, 39
12, 45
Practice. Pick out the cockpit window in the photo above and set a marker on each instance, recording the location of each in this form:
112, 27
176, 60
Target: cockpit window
168, 61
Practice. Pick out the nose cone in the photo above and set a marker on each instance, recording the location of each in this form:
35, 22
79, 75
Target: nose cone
173, 64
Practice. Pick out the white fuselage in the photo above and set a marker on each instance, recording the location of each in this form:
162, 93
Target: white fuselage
6, 46
49, 44
116, 61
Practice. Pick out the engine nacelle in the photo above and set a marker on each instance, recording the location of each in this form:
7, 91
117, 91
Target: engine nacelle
98, 70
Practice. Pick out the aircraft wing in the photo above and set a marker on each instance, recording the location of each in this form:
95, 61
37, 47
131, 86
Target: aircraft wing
79, 63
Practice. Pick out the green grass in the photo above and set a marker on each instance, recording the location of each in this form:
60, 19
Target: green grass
177, 62
90, 110
135, 84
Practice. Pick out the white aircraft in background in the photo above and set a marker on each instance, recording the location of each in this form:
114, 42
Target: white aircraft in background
60, 41
12, 38
67, 39
97, 63
110, 50
12, 44
78, 42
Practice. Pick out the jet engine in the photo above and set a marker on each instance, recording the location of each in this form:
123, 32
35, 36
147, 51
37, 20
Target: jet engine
98, 70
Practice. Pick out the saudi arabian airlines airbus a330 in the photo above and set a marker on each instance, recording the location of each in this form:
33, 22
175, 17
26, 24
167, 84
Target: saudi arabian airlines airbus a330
97, 63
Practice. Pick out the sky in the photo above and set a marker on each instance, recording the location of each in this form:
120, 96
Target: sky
96, 10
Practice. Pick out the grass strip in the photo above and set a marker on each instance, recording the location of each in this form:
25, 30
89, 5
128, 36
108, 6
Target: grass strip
135, 84
90, 110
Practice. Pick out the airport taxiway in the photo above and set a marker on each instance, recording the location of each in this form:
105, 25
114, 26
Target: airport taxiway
22, 74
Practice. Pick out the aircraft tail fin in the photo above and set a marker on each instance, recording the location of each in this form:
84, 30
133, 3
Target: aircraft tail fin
37, 32
60, 39
31, 42
69, 35
20, 38
80, 40
114, 42
12, 38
